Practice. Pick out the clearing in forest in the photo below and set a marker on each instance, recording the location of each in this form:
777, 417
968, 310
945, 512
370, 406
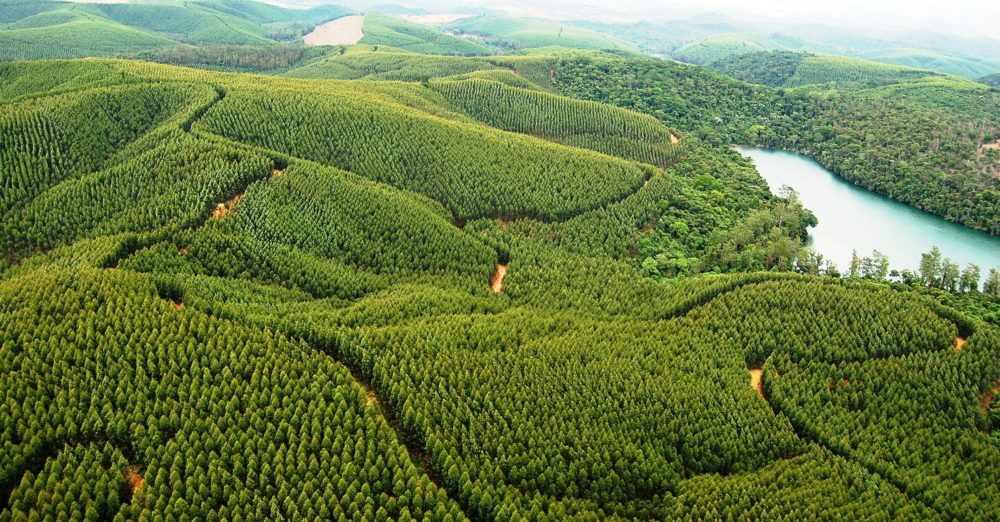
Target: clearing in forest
134, 478
674, 140
222, 208
959, 343
342, 31
497, 281
755, 375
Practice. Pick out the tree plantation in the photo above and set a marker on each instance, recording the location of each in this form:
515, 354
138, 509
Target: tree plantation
391, 286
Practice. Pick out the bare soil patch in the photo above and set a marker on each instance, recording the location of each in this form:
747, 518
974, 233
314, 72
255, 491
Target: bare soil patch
497, 281
959, 343
503, 224
276, 173
989, 396
134, 478
178, 306
674, 140
342, 31
182, 252
755, 376
221, 209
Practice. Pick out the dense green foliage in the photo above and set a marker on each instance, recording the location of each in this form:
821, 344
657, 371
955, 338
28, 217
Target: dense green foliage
468, 169
270, 59
247, 297
364, 62
772, 69
920, 141
369, 63
834, 73
221, 420
383, 30
31, 29
587, 125
717, 47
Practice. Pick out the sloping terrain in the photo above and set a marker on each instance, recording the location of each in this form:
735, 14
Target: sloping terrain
526, 33
883, 114
331, 346
393, 32
54, 29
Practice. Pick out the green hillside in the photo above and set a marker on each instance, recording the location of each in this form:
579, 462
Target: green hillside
859, 131
856, 117
716, 47
787, 69
76, 39
709, 38
366, 62
415, 278
393, 32
526, 33
235, 296
940, 62
36, 30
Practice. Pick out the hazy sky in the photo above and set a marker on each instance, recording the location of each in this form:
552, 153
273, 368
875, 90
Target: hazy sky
976, 18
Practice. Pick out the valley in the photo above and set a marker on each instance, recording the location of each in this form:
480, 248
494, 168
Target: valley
484, 267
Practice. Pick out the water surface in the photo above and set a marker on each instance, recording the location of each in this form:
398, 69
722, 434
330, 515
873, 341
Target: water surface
851, 218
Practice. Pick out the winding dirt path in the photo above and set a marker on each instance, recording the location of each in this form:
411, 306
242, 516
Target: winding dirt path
497, 281
342, 31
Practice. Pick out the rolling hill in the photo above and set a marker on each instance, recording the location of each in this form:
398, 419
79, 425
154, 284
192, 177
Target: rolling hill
409, 36
51, 29
389, 281
239, 296
527, 33
709, 38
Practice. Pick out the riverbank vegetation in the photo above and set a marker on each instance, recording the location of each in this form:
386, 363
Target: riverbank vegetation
912, 136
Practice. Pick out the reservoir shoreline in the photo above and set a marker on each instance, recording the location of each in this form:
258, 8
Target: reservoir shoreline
853, 218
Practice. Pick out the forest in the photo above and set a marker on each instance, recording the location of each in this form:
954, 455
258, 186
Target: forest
919, 138
261, 282
259, 300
